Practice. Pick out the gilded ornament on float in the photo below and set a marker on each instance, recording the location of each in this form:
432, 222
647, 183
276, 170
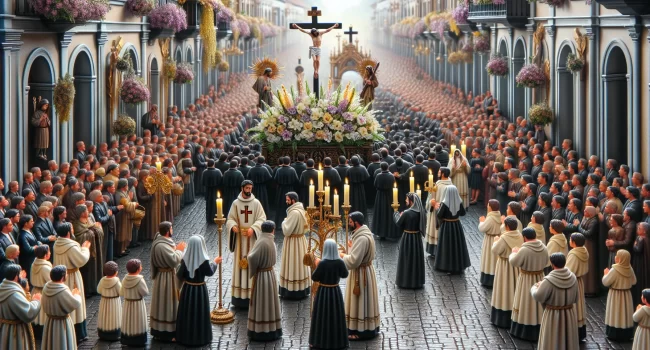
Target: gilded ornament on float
158, 182
261, 65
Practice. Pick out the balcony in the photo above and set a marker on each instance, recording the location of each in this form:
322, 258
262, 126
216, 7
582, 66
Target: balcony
514, 13
628, 7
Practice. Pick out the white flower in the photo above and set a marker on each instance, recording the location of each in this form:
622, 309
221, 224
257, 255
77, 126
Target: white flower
363, 131
306, 134
322, 104
300, 107
336, 125
318, 125
295, 124
273, 138
338, 136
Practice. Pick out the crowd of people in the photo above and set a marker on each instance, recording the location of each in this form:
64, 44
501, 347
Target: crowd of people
558, 227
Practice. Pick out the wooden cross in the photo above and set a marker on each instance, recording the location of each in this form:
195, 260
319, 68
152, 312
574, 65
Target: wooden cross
351, 33
246, 212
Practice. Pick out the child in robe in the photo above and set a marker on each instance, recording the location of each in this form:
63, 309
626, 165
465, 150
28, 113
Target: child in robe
40, 275
134, 312
109, 320
536, 221
578, 263
642, 318
619, 325
557, 243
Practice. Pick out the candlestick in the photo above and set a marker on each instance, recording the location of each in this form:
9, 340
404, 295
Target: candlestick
411, 183
320, 178
463, 149
221, 315
327, 193
452, 150
159, 165
430, 178
346, 193
311, 194
346, 211
219, 206
395, 193
336, 203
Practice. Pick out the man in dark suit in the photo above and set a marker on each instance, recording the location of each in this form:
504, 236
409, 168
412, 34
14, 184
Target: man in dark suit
6, 239
80, 154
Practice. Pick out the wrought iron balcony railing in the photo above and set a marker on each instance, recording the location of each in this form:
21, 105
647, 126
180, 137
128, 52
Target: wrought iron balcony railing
512, 13
628, 7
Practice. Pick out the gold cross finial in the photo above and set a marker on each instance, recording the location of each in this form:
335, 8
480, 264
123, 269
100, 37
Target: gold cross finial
314, 12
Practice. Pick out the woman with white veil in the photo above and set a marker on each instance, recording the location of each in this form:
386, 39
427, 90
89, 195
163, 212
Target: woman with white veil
459, 171
328, 326
410, 263
453, 256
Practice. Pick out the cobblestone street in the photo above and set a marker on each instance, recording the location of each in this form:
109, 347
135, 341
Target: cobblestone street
451, 312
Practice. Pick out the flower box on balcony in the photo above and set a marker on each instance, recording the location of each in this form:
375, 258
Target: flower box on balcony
61, 25
223, 30
628, 7
512, 13
193, 10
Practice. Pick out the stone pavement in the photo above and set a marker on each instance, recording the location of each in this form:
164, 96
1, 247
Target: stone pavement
451, 312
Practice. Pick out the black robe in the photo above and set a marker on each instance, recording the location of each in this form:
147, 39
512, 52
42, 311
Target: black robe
328, 328
336, 183
200, 164
147, 124
299, 167
193, 327
232, 180
410, 263
244, 170
452, 248
421, 175
211, 181
144, 199
358, 176
641, 265
223, 166
286, 178
343, 174
370, 184
382, 213
402, 183
502, 196
261, 177
308, 177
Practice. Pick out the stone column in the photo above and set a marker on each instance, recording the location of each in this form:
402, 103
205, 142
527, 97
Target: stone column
10, 104
62, 135
592, 90
100, 131
198, 78
635, 141
550, 31
144, 38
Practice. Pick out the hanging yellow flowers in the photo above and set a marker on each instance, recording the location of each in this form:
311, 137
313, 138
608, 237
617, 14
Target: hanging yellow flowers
209, 36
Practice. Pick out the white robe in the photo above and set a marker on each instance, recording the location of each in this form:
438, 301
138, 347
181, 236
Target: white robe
241, 282
165, 259
39, 276
69, 252
14, 306
432, 231
58, 301
294, 275
134, 312
110, 306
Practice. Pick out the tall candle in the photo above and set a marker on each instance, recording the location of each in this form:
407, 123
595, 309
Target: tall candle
395, 193
430, 178
320, 178
311, 194
327, 193
159, 165
419, 192
411, 183
463, 149
346, 193
219, 206
336, 203
453, 150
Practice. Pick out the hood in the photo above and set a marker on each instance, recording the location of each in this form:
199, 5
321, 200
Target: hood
296, 206
51, 289
108, 283
562, 278
241, 198
362, 231
581, 253
62, 245
9, 288
536, 246
559, 239
513, 238
39, 264
131, 281
494, 216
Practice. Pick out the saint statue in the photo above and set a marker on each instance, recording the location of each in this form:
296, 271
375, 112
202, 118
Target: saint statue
263, 88
41, 122
370, 82
316, 37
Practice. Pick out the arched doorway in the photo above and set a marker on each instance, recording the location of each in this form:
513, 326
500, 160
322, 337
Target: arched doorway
82, 113
40, 84
131, 109
154, 83
518, 60
502, 84
616, 111
188, 87
178, 88
565, 111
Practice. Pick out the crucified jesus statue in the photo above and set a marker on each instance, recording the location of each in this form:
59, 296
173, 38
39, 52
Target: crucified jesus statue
316, 37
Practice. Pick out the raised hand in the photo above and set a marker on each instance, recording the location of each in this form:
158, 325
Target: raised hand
86, 244
37, 297
235, 229
218, 260
181, 246
75, 292
23, 274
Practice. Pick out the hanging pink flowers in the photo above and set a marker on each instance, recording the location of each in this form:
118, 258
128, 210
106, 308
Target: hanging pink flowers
497, 66
71, 10
168, 16
531, 76
184, 74
134, 91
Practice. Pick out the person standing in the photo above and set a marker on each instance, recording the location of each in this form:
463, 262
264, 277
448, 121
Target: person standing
382, 212
328, 328
578, 263
165, 258
530, 259
40, 276
134, 312
361, 296
453, 256
410, 263
150, 121
264, 90
72, 255
211, 180
619, 324
286, 178
17, 311
260, 176
489, 225
432, 221
243, 226
505, 274
642, 318
59, 302
294, 275
558, 292
459, 171
358, 176
193, 327
109, 319
264, 316
41, 123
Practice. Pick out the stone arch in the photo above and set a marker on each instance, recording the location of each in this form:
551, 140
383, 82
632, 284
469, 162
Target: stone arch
518, 61
502, 82
189, 58
82, 67
38, 81
616, 121
565, 109
348, 60
178, 88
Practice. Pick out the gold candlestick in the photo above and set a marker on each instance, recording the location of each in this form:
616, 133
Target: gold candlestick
221, 315
395, 206
346, 212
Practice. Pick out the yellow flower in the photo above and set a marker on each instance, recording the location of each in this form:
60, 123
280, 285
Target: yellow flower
271, 129
307, 126
327, 118
338, 136
362, 131
320, 134
280, 129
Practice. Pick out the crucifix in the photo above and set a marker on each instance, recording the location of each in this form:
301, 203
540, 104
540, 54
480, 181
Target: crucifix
312, 29
246, 212
350, 32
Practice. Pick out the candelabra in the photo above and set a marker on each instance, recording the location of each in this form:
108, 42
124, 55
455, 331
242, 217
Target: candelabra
221, 315
324, 224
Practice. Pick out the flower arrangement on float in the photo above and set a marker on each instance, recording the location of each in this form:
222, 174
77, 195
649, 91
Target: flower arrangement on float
139, 7
497, 66
168, 16
531, 76
339, 117
71, 10
124, 125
